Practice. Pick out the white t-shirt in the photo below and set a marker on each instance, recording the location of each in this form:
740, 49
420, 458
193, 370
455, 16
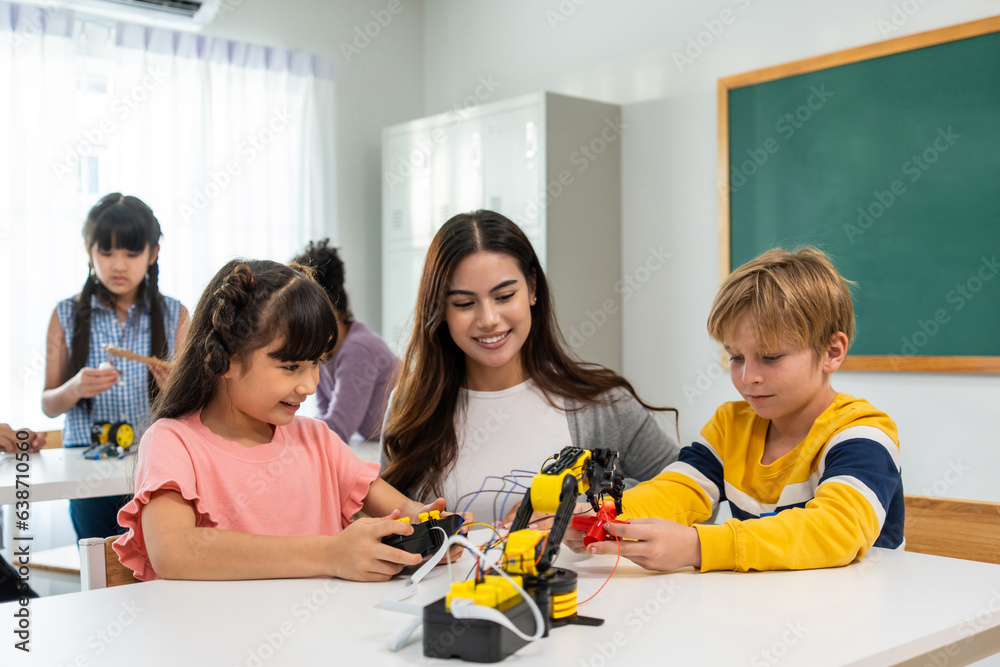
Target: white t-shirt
501, 431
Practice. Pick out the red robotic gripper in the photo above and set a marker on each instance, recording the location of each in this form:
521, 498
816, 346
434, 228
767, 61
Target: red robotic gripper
593, 526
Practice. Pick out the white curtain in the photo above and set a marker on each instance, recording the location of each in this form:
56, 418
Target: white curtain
230, 144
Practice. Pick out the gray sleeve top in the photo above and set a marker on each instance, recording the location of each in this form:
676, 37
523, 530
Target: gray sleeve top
622, 423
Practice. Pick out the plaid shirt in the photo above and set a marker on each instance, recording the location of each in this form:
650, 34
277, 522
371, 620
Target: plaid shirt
128, 399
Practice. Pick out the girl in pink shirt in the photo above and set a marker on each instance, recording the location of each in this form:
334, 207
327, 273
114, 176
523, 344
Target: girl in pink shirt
230, 484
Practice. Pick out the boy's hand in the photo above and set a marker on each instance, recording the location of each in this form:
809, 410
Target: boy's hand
359, 555
573, 538
655, 544
538, 520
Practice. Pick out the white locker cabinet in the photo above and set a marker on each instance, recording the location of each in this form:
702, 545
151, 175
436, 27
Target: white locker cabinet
550, 163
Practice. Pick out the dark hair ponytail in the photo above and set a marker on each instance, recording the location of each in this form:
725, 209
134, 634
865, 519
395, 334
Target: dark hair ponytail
157, 325
328, 271
119, 221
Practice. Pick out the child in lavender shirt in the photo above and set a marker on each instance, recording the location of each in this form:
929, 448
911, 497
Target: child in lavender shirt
354, 384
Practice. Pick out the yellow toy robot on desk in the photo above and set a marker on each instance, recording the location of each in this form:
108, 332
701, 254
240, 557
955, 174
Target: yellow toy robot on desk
109, 439
476, 620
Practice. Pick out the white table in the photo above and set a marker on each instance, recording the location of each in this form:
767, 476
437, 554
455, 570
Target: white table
894, 607
55, 474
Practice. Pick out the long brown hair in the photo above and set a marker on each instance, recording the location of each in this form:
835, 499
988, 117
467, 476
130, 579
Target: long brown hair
420, 441
119, 221
247, 305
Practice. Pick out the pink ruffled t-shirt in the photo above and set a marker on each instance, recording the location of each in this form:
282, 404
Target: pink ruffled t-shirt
306, 481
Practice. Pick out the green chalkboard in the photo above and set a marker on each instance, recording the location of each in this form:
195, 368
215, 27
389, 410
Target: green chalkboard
890, 164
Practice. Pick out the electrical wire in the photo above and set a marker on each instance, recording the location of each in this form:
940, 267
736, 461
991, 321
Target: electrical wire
485, 547
475, 494
618, 543
514, 477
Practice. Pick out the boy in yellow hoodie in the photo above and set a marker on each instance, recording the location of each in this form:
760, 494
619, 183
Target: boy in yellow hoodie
812, 476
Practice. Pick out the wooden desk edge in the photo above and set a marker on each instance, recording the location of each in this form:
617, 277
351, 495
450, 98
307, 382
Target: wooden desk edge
921, 364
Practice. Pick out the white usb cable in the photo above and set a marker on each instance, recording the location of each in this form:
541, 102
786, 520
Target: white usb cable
460, 608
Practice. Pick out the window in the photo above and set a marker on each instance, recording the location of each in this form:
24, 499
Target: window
230, 145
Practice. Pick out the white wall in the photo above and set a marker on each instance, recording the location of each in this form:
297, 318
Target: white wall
379, 82
623, 52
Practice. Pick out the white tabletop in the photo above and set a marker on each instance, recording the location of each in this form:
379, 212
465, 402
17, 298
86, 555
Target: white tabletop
55, 474
891, 608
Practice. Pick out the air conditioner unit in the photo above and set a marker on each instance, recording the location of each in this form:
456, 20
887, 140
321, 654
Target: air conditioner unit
187, 15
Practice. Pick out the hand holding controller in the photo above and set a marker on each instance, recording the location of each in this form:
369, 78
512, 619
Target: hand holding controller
593, 526
424, 539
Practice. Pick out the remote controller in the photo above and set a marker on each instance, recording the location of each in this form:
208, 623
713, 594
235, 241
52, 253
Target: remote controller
425, 540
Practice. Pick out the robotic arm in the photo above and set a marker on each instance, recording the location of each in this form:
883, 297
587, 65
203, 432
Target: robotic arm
555, 489
485, 619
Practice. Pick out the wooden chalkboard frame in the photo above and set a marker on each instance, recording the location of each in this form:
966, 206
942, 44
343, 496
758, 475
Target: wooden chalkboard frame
957, 364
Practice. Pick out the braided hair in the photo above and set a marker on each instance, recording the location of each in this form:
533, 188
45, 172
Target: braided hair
119, 221
248, 305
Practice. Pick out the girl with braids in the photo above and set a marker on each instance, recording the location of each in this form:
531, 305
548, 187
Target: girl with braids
230, 483
120, 305
486, 385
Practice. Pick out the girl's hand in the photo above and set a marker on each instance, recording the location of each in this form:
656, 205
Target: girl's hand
655, 544
455, 552
90, 382
160, 373
359, 555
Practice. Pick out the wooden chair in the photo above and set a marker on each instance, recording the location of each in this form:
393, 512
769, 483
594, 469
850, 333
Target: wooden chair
968, 529
99, 565
53, 439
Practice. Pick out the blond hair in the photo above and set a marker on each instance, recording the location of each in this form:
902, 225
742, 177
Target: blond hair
795, 293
